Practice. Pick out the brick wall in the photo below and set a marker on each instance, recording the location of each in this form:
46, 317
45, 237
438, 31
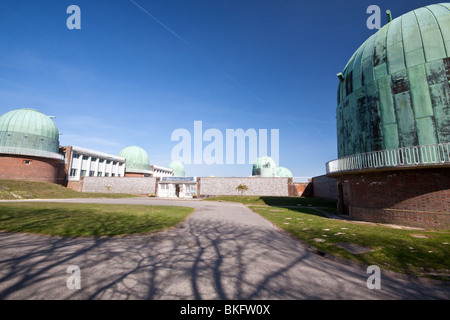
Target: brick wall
61, 175
133, 185
75, 185
325, 187
300, 189
64, 167
256, 186
28, 168
409, 197
134, 174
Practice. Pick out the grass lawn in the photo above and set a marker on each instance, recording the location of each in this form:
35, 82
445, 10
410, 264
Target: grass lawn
424, 253
79, 219
14, 189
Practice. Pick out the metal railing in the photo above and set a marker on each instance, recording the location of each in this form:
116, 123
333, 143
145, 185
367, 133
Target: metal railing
401, 157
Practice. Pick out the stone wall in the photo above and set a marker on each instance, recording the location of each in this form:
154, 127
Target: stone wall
325, 187
131, 185
256, 186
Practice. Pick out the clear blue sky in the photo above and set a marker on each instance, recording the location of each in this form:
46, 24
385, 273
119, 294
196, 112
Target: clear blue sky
137, 70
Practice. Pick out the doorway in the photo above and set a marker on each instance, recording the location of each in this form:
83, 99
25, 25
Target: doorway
344, 198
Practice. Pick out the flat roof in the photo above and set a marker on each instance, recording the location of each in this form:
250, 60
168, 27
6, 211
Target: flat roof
97, 154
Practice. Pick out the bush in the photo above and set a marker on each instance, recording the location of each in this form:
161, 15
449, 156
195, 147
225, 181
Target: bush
241, 188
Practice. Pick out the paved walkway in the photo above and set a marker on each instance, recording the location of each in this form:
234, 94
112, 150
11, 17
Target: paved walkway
222, 251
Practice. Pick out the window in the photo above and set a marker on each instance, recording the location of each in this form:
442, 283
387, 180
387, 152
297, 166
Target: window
76, 155
85, 157
120, 164
101, 160
99, 174
91, 173
114, 163
83, 173
73, 172
27, 162
108, 161
106, 174
118, 174
93, 159
113, 174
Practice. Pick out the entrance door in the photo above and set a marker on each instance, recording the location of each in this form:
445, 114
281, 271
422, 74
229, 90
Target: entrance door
177, 190
344, 198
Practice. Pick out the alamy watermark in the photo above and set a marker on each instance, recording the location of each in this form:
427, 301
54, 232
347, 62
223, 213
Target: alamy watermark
74, 280
374, 21
374, 281
231, 148
74, 20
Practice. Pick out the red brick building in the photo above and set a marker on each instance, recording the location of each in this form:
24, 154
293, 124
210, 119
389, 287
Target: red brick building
29, 142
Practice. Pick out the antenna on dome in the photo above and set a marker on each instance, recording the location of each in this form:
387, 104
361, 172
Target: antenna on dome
389, 15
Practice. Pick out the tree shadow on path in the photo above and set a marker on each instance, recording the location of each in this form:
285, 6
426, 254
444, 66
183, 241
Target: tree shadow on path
199, 259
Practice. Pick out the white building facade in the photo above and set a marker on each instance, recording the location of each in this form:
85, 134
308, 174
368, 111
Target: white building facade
177, 187
83, 162
158, 171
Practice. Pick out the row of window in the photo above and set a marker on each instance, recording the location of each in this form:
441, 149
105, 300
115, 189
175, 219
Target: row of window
77, 156
190, 188
73, 173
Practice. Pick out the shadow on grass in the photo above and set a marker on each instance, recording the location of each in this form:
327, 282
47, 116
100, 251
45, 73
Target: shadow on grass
277, 201
294, 201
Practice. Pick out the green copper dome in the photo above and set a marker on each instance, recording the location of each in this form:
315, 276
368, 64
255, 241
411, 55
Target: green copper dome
264, 166
394, 92
177, 168
137, 159
28, 132
284, 172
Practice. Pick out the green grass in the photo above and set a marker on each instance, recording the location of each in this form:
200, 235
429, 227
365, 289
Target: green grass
392, 249
14, 190
78, 219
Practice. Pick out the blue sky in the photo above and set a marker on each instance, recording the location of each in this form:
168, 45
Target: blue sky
140, 69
